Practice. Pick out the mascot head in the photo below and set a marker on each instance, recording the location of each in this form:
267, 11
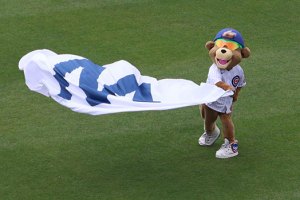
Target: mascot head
227, 49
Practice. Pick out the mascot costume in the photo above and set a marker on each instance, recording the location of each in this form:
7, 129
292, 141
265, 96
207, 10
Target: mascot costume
226, 52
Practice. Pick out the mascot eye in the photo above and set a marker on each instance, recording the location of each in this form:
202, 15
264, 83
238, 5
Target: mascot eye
232, 45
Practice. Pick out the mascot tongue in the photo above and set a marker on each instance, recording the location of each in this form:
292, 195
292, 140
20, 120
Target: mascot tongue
223, 62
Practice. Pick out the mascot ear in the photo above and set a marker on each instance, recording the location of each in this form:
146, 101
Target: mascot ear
209, 45
245, 52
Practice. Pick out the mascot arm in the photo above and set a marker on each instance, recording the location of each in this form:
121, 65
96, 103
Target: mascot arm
224, 86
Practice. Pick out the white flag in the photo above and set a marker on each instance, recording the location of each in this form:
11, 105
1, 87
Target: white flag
85, 87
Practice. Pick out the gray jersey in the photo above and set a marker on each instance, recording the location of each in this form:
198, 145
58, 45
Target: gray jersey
235, 78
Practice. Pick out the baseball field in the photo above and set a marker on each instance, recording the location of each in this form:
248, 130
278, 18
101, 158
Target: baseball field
49, 152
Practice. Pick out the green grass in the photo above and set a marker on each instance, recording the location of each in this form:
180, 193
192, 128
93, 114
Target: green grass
50, 152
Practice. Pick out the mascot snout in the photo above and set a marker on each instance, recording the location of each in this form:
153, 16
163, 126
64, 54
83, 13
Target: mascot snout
223, 58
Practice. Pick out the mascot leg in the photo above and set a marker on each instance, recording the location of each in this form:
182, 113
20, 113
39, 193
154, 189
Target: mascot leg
212, 132
210, 117
228, 127
230, 146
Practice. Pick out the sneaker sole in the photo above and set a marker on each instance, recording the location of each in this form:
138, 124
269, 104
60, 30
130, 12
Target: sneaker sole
229, 156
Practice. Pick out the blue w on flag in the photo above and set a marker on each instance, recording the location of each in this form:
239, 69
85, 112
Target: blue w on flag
83, 86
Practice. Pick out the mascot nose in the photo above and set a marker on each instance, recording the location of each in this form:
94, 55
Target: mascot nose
223, 51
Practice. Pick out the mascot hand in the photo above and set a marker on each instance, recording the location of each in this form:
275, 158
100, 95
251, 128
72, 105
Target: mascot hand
235, 97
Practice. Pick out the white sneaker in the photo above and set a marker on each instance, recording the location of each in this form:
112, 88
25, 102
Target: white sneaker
228, 150
209, 139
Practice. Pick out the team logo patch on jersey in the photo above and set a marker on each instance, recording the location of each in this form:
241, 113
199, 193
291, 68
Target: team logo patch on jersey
235, 81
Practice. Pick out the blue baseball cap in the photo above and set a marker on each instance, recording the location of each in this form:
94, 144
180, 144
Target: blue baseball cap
230, 34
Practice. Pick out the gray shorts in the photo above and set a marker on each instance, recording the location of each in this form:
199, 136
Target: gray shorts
222, 105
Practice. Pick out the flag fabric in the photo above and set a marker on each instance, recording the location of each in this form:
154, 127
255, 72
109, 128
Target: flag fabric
85, 87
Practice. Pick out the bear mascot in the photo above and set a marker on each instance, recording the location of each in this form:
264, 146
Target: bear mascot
226, 52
